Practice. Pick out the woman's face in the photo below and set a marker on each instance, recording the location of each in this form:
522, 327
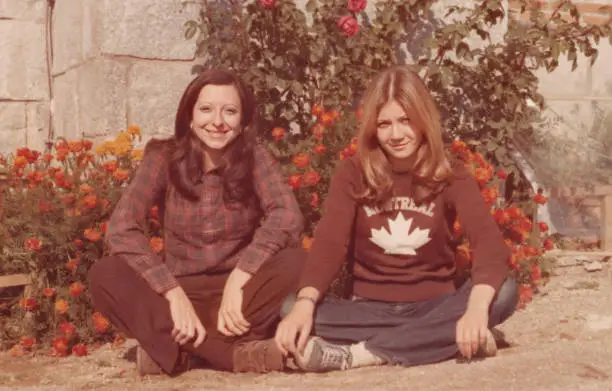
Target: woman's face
396, 133
217, 115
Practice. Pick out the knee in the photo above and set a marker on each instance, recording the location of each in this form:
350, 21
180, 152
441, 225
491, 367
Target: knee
104, 272
506, 300
287, 304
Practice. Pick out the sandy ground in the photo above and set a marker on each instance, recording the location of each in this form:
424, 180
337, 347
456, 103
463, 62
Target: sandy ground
561, 342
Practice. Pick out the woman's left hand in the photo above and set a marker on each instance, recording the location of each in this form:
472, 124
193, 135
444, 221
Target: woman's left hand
472, 331
231, 321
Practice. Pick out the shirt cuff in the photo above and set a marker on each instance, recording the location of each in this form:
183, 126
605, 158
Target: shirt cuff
160, 279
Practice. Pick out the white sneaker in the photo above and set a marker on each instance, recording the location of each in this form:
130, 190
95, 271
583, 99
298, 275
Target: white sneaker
322, 356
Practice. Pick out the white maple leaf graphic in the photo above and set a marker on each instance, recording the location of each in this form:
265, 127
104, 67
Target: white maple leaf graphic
399, 239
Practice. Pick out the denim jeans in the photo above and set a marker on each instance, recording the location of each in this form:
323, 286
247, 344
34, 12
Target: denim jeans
412, 333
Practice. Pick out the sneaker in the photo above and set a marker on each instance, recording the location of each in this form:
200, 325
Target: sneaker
258, 356
145, 364
322, 356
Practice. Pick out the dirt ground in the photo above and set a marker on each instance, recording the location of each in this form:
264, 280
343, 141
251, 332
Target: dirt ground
561, 342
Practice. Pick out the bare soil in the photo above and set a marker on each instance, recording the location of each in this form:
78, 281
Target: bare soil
562, 341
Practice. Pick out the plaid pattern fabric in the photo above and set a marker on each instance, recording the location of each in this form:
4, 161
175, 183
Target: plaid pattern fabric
206, 235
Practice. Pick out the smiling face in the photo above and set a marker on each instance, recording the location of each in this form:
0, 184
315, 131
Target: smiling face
397, 135
217, 117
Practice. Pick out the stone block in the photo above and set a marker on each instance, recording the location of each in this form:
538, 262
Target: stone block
76, 34
12, 131
32, 10
37, 125
154, 92
102, 96
23, 65
148, 29
565, 83
601, 72
66, 105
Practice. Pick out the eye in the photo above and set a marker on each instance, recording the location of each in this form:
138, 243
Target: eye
383, 124
231, 111
204, 109
405, 120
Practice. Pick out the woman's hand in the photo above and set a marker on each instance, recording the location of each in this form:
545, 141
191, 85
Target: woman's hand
295, 327
231, 321
187, 324
472, 331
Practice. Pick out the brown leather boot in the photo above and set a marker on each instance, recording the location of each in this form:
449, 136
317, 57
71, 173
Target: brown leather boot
258, 356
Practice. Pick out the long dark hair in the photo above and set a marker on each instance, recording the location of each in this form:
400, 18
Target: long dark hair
186, 165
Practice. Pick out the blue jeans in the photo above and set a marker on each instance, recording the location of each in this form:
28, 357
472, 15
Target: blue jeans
412, 333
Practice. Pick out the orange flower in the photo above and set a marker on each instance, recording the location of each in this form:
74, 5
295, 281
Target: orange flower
318, 131
47, 158
316, 110
111, 166
60, 347
327, 118
540, 199
502, 174
278, 134
61, 306
87, 145
525, 295
301, 160
92, 234
28, 303
489, 194
76, 288
319, 149
32, 244
543, 226
17, 351
86, 189
27, 342
101, 324
20, 162
121, 175
515, 212
72, 265
501, 216
90, 201
307, 243
75, 146
315, 200
61, 154
311, 178
458, 146
483, 175
137, 155
156, 244
79, 350
295, 181
548, 245
48, 292
67, 329
463, 256
536, 273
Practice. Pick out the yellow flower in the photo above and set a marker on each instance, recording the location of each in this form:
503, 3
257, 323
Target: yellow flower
134, 130
137, 155
122, 148
105, 147
123, 137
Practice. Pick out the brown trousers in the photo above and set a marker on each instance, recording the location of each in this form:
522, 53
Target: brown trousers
133, 307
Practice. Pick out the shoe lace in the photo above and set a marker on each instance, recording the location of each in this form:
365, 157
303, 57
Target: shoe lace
335, 357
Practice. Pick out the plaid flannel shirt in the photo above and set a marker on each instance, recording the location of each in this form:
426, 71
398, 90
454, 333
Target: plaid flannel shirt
206, 235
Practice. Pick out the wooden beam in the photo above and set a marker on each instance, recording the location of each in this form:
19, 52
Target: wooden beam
14, 280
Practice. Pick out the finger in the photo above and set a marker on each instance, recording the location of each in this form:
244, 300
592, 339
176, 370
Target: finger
201, 332
303, 335
475, 340
221, 325
230, 324
242, 322
459, 339
235, 320
278, 339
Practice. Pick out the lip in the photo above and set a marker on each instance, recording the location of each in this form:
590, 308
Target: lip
398, 147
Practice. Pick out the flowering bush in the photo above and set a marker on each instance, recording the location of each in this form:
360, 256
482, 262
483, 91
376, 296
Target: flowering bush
54, 212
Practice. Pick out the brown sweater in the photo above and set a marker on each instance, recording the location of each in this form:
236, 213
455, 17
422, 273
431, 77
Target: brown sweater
403, 253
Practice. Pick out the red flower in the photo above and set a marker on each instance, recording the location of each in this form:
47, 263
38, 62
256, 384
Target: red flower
315, 200
60, 347
543, 226
27, 342
501, 174
311, 178
548, 245
295, 181
489, 194
104, 226
348, 25
278, 134
301, 160
32, 244
72, 265
319, 149
317, 110
90, 201
76, 289
79, 350
154, 212
61, 306
48, 292
111, 166
67, 329
318, 131
356, 5
267, 3
101, 324
525, 295
44, 206
157, 244
93, 235
540, 199
87, 144
536, 273
121, 175
28, 303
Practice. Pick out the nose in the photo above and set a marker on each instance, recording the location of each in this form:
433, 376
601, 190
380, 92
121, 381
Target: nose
218, 120
396, 133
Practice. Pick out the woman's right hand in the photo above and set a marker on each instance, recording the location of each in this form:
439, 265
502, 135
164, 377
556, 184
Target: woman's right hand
296, 326
187, 324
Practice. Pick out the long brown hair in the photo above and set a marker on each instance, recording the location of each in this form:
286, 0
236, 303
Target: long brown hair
431, 168
186, 165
